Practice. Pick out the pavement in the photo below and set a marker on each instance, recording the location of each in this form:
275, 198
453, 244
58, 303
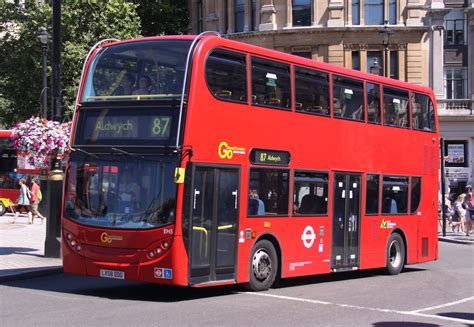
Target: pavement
22, 248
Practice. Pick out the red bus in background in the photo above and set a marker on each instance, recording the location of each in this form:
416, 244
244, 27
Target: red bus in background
203, 161
13, 166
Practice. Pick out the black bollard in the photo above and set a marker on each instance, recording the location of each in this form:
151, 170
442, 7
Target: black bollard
52, 244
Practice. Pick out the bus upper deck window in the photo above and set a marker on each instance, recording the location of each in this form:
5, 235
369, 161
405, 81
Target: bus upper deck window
144, 70
226, 75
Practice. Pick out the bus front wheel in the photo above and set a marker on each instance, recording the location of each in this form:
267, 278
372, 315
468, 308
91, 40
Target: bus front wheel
263, 266
395, 254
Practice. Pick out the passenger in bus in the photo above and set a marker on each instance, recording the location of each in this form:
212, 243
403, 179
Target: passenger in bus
126, 85
252, 208
261, 205
144, 84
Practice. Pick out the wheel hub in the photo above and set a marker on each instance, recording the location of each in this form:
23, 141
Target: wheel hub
262, 265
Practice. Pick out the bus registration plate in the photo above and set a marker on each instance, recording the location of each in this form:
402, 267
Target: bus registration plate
112, 274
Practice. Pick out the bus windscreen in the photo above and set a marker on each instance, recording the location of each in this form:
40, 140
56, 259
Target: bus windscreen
137, 71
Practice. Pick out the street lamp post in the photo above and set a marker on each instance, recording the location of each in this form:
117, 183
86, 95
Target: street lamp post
43, 37
387, 32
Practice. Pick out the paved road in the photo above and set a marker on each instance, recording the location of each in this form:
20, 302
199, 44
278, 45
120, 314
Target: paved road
432, 294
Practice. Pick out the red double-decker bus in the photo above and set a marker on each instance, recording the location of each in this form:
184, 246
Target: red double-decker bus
203, 161
13, 166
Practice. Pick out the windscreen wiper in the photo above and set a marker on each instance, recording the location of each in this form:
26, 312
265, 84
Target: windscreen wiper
125, 152
85, 152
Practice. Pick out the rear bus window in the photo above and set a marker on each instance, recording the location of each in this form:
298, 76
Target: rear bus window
311, 91
415, 194
268, 192
395, 107
395, 195
310, 193
348, 96
226, 75
423, 112
373, 103
271, 83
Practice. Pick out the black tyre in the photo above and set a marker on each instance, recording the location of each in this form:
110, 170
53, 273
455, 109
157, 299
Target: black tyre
395, 254
263, 266
2, 209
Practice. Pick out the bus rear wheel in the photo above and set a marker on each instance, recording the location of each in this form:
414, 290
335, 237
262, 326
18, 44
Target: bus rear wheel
395, 254
2, 209
263, 266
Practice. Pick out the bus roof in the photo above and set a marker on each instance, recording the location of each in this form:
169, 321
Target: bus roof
286, 57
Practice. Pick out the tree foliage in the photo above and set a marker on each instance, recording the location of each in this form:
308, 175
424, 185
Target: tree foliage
163, 17
83, 23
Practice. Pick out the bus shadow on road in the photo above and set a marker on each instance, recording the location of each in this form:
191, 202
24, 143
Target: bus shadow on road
138, 291
329, 278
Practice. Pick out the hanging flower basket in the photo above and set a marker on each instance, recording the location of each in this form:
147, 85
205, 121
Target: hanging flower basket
38, 139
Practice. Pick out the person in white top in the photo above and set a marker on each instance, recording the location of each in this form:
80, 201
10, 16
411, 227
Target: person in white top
23, 202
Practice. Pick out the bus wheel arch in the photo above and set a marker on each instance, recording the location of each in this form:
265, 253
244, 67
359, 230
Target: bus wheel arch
396, 252
264, 264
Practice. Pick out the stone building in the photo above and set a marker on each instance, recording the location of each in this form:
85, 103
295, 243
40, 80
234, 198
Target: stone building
428, 42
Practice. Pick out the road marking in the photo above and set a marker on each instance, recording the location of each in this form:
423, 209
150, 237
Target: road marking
407, 313
445, 305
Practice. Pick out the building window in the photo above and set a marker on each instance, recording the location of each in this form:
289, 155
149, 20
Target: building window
455, 80
457, 154
301, 12
304, 54
374, 13
200, 18
392, 12
394, 64
356, 60
374, 62
454, 25
239, 15
355, 12
254, 16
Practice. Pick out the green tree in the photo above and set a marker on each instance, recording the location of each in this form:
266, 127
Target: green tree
83, 23
163, 17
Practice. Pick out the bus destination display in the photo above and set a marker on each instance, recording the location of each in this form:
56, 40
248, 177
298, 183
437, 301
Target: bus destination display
270, 157
156, 127
136, 126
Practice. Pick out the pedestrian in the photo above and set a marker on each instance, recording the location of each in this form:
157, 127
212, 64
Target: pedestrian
36, 197
460, 211
23, 202
468, 206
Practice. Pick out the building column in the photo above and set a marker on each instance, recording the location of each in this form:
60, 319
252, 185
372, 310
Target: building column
267, 14
437, 50
336, 13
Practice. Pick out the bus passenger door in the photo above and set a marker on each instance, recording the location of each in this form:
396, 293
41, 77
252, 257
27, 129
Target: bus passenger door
214, 223
346, 221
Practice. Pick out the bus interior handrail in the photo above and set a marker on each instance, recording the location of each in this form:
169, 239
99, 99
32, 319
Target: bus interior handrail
185, 80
